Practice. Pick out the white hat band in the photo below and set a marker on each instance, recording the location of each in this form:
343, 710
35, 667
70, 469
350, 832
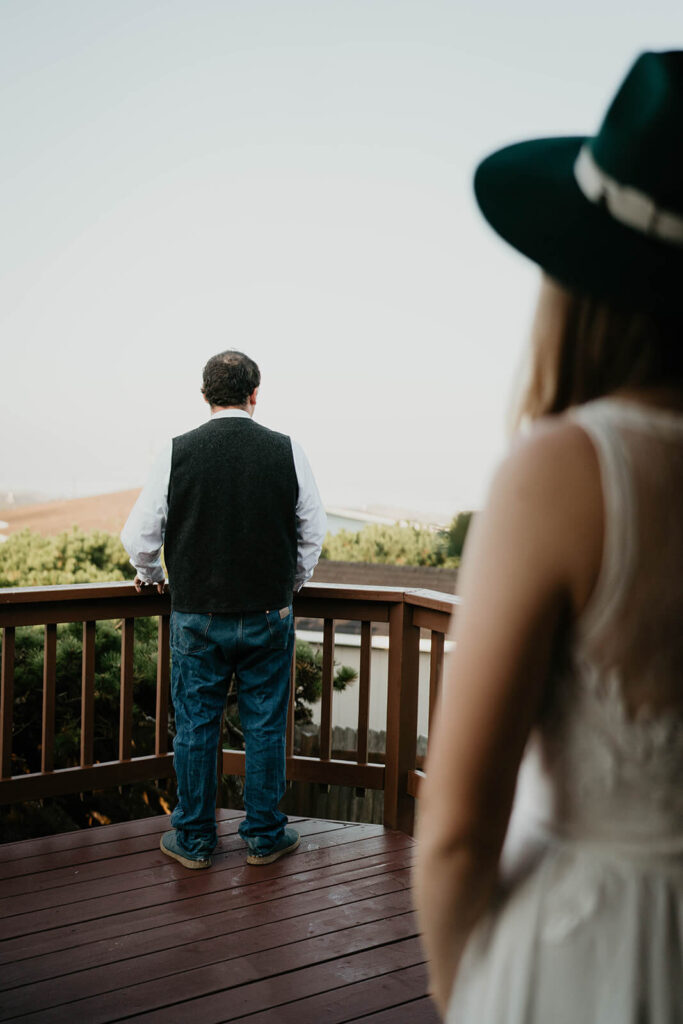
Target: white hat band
626, 204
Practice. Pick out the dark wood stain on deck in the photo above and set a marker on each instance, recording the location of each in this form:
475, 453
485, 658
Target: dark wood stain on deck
100, 926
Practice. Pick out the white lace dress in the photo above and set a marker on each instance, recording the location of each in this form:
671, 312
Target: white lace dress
589, 924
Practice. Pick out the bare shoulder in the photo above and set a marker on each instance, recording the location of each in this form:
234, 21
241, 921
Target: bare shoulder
556, 453
549, 487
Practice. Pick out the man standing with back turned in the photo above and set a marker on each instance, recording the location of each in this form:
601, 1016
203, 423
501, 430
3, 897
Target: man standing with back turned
238, 512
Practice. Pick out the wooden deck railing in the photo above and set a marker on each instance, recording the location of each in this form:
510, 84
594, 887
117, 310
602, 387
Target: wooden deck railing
407, 612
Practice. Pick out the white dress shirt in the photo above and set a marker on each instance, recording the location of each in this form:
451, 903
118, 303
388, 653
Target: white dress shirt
143, 534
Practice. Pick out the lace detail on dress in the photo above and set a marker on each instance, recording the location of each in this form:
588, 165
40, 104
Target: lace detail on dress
615, 776
644, 736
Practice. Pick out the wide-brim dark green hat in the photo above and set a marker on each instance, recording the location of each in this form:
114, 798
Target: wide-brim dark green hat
603, 214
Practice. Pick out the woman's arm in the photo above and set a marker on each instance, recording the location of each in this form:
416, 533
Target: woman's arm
530, 564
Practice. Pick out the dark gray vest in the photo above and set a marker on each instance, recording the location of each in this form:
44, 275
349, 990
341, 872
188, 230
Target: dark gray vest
231, 540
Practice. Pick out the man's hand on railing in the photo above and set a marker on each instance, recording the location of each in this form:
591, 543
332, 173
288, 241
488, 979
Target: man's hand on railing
141, 585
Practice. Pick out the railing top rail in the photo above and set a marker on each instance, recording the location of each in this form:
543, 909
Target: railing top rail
90, 591
436, 600
66, 592
368, 592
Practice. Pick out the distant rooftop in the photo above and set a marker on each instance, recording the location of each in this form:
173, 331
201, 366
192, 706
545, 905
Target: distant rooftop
418, 577
352, 519
107, 512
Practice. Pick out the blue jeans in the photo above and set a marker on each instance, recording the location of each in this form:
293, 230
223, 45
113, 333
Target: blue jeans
207, 650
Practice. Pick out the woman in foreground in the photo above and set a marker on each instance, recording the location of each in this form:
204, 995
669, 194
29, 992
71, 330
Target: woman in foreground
569, 657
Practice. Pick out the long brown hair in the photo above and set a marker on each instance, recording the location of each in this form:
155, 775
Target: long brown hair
583, 348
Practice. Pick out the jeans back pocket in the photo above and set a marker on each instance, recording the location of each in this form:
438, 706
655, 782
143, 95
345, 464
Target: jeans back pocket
190, 631
279, 626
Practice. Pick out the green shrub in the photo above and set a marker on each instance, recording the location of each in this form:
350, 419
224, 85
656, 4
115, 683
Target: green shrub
395, 545
30, 560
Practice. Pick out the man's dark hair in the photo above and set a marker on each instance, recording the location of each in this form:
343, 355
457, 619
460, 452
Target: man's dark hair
229, 378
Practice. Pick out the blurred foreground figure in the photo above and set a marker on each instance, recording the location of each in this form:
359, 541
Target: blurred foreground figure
549, 881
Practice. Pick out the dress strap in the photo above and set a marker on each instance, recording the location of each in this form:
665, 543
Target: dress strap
619, 552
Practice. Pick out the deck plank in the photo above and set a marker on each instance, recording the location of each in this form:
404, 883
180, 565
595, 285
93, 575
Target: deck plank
124, 857
271, 993
419, 1011
154, 886
113, 930
213, 925
23, 849
174, 962
75, 853
385, 993
142, 875
173, 913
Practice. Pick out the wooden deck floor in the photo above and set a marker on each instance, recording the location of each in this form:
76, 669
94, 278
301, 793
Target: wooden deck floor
100, 926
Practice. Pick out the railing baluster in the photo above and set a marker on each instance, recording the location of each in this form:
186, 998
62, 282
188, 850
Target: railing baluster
163, 686
126, 713
435, 671
219, 761
289, 739
328, 683
402, 695
88, 695
6, 701
47, 758
364, 692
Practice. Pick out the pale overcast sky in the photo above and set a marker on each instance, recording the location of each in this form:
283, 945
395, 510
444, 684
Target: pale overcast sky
292, 179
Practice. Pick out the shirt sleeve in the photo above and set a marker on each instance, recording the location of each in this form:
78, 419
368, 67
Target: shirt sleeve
311, 521
143, 534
